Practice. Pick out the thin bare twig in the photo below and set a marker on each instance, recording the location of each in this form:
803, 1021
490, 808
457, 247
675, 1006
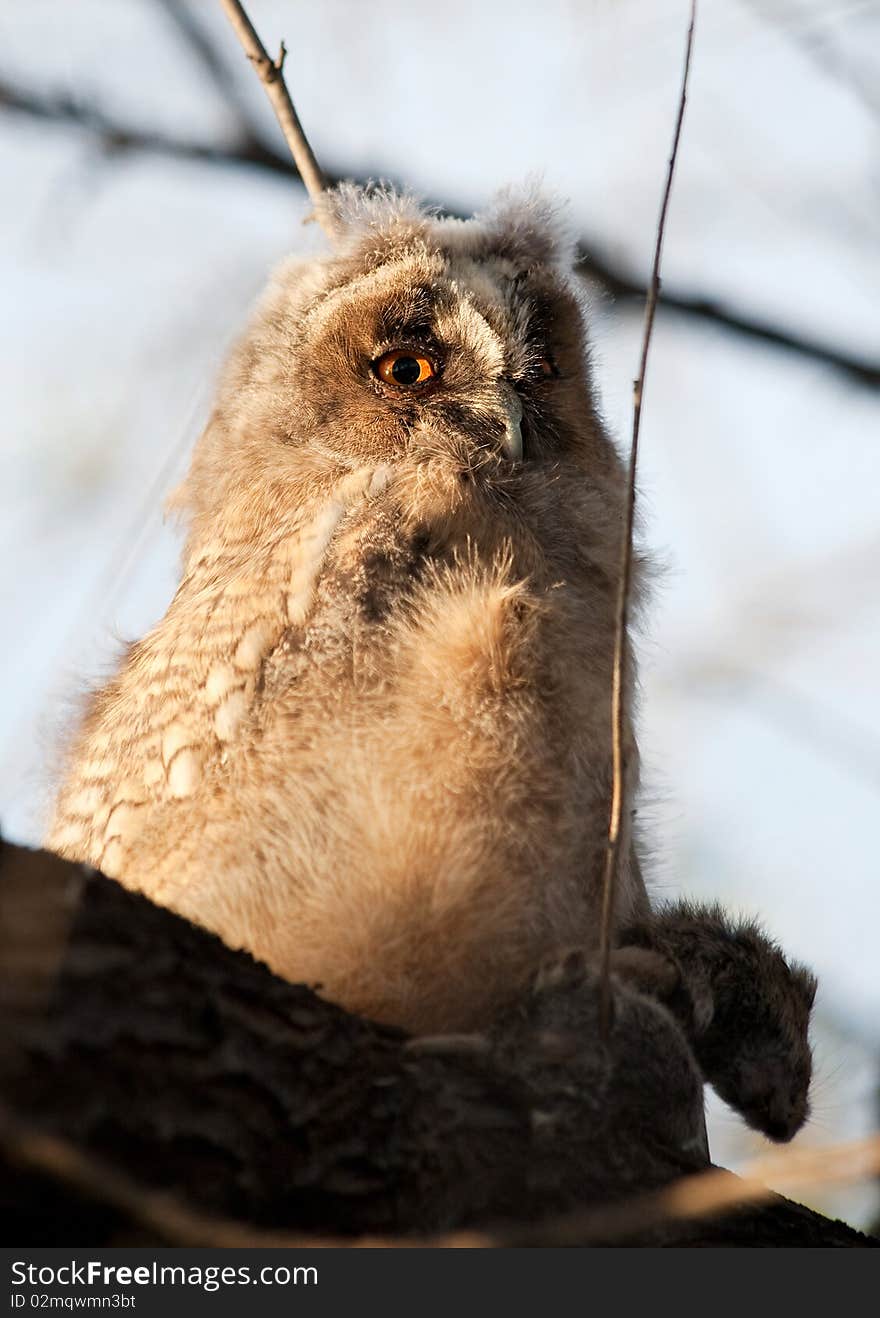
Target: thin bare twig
271, 73
612, 849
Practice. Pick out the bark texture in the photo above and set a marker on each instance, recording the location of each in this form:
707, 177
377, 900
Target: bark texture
157, 1087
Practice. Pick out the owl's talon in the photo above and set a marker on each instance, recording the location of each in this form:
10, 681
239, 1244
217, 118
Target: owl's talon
446, 1045
567, 968
646, 971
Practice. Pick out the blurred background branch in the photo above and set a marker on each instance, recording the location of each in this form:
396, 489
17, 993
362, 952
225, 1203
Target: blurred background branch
615, 280
148, 193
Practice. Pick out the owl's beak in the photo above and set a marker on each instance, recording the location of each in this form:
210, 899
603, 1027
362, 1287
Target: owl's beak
512, 442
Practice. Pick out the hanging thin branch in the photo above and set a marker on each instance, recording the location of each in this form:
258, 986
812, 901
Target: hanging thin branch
271, 74
612, 850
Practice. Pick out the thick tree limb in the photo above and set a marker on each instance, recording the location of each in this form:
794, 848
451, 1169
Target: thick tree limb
157, 1087
153, 1047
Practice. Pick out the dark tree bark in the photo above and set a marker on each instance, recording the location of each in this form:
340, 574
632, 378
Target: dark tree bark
157, 1060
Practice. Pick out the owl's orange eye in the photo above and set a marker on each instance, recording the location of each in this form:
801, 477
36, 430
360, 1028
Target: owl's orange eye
404, 368
547, 369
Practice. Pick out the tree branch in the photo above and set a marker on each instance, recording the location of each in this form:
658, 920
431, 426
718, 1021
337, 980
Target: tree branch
271, 75
618, 676
79, 1184
616, 280
155, 1083
211, 60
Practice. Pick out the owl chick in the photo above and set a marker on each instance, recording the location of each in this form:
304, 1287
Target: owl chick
369, 740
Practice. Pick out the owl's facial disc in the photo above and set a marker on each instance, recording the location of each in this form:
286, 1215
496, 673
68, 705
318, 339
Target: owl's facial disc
440, 356
455, 352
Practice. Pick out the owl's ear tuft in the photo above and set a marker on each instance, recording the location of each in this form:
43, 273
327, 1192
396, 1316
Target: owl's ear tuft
372, 212
523, 225
528, 226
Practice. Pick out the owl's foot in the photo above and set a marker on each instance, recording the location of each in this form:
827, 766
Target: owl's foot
642, 968
744, 1008
641, 1072
568, 968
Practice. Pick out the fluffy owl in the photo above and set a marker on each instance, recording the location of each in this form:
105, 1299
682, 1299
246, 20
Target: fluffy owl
370, 740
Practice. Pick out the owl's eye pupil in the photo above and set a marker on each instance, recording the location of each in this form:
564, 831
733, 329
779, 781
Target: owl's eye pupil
406, 370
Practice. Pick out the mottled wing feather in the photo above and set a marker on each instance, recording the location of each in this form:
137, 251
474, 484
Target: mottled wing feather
175, 710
